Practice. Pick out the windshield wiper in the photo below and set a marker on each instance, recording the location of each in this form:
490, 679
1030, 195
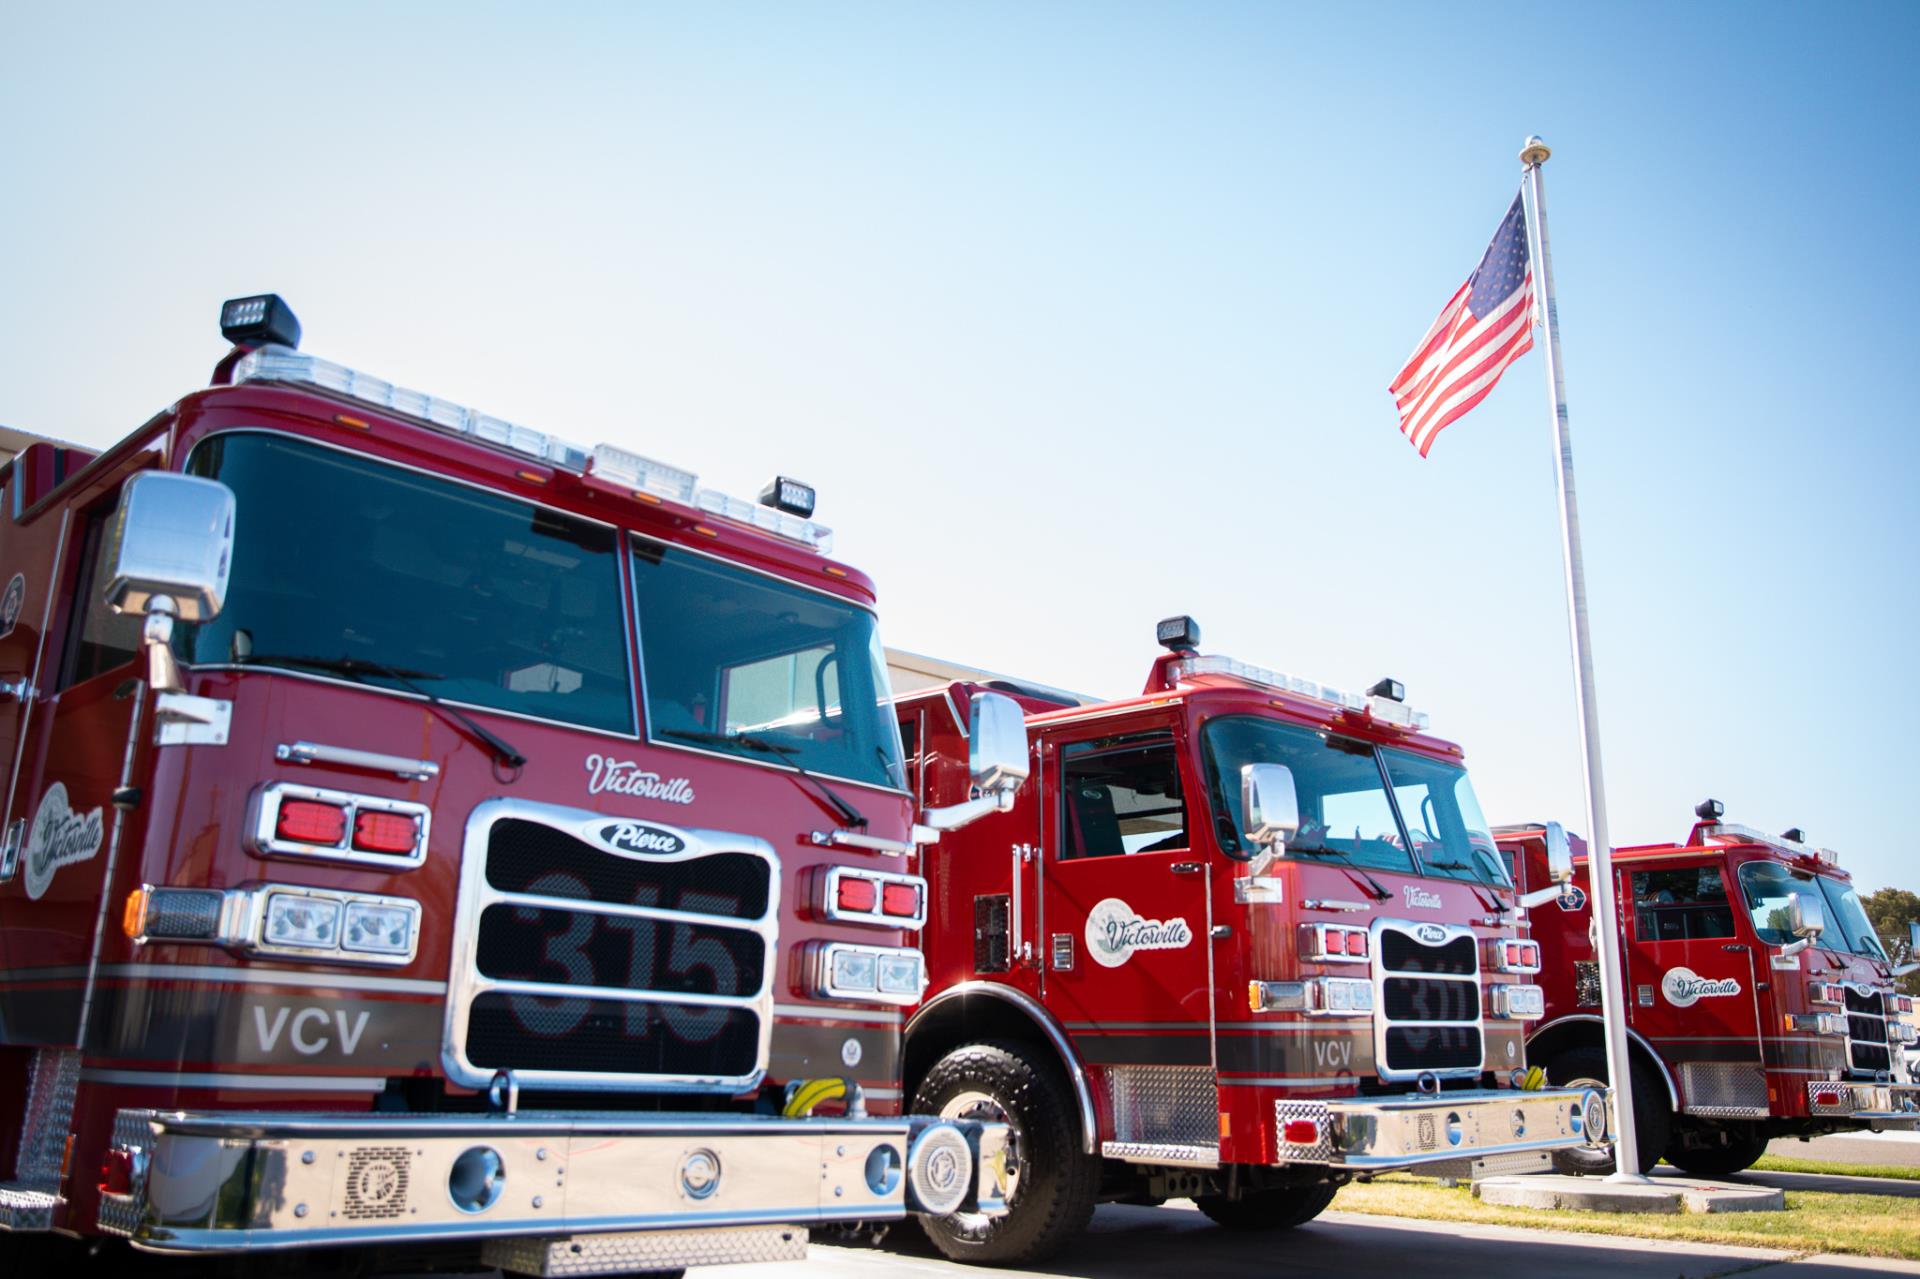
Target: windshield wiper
359, 668
787, 752
1345, 858
1493, 904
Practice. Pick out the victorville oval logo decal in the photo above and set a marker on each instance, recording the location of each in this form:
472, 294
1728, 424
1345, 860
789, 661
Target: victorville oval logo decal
1114, 932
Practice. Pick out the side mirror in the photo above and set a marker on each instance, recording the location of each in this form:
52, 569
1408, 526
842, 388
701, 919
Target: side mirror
996, 744
1269, 804
1806, 920
168, 555
1913, 937
1806, 917
997, 754
1559, 854
1909, 962
1559, 869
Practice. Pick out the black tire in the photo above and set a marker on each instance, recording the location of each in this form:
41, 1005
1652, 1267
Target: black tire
1742, 1145
1278, 1209
1052, 1199
1652, 1117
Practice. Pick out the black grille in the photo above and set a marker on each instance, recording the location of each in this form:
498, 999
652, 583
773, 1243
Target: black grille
1400, 953
587, 1034
526, 1032
1586, 983
1433, 1047
990, 934
1422, 988
1417, 999
1867, 1031
527, 857
521, 943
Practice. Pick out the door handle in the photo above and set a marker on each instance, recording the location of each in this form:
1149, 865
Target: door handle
1187, 868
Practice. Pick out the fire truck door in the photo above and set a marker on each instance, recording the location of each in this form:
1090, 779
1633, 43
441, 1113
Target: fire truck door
76, 748
1692, 980
1124, 912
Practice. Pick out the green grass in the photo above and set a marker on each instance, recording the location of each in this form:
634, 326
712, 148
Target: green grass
1791, 1163
1868, 1225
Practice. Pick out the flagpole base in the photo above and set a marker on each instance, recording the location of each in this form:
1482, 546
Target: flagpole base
1629, 1179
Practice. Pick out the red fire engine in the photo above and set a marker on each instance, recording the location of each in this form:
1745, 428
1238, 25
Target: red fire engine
425, 831
1243, 938
1759, 1002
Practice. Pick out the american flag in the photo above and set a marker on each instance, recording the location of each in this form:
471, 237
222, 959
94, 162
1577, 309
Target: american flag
1486, 325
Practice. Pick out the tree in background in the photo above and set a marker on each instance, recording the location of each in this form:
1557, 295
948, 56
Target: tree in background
1890, 909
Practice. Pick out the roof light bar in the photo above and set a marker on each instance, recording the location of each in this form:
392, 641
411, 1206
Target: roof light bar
643, 473
279, 364
1735, 833
1380, 708
740, 511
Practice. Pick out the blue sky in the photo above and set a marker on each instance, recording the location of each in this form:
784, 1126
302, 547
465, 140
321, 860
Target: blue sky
1083, 315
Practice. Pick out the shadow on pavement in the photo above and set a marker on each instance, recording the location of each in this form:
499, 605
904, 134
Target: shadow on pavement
1819, 1181
1128, 1241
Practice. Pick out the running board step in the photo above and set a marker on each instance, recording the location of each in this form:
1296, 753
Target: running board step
26, 1211
1147, 1152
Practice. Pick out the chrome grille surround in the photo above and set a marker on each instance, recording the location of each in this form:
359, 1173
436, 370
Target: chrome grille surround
1866, 1014
1426, 936
466, 983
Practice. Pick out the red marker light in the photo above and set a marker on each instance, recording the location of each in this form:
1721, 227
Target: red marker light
857, 895
900, 900
377, 832
1357, 944
1301, 1132
308, 821
1334, 941
116, 1173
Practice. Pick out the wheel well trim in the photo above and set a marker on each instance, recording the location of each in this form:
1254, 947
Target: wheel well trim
1048, 1027
1659, 1064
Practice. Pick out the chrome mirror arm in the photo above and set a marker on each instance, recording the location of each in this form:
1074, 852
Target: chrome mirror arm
954, 816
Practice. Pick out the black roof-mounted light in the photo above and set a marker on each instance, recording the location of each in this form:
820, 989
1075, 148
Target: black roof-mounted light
262, 320
1391, 689
1794, 835
784, 493
1709, 810
1179, 634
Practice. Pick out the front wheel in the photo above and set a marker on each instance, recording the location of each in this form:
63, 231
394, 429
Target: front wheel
1279, 1209
1652, 1117
1718, 1151
1051, 1181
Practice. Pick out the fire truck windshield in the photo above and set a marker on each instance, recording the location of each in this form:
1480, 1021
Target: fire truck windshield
1346, 811
754, 666
489, 601
1766, 885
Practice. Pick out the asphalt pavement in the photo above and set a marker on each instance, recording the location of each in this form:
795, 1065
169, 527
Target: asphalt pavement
1127, 1242
1898, 1148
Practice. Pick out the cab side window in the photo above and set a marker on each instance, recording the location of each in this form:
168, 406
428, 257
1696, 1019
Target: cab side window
99, 639
1688, 904
1122, 796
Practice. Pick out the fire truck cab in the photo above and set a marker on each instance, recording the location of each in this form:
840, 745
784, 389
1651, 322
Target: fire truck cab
1240, 938
423, 832
1759, 1002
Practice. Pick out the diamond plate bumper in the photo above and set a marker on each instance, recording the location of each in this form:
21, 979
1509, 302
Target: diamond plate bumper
1882, 1105
208, 1183
1369, 1134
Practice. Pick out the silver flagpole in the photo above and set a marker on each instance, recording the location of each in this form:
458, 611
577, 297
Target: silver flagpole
1613, 1011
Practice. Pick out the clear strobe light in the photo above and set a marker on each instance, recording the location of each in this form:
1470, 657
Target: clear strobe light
279, 364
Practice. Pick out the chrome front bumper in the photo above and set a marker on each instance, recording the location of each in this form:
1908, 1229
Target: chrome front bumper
206, 1183
1375, 1134
1882, 1105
